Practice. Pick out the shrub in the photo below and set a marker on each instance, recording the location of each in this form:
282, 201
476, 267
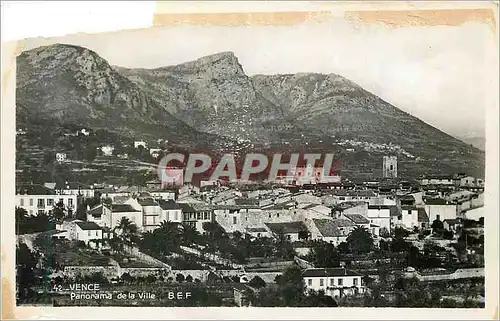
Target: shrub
179, 278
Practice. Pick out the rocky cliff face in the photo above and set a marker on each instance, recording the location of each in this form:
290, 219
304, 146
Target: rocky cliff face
72, 84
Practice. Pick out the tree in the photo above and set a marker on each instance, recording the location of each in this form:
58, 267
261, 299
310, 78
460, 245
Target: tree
257, 282
26, 262
360, 241
304, 235
437, 226
179, 278
189, 278
214, 230
58, 211
127, 231
325, 255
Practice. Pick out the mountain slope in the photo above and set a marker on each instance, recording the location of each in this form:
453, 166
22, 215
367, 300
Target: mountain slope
71, 84
297, 111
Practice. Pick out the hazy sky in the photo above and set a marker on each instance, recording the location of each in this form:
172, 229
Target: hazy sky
439, 74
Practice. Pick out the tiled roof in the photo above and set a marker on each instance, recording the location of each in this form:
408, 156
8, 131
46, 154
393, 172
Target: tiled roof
329, 272
435, 201
96, 210
147, 202
287, 227
256, 229
169, 205
422, 215
246, 201
379, 207
452, 221
357, 218
119, 208
34, 190
331, 228
88, 226
357, 193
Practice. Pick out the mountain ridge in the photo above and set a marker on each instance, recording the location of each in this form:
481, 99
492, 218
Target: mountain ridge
212, 99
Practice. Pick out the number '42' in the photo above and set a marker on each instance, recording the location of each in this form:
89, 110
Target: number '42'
57, 287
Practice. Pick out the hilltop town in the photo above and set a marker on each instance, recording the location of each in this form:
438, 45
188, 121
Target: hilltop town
297, 241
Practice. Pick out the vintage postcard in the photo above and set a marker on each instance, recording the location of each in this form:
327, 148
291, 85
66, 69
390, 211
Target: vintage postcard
344, 155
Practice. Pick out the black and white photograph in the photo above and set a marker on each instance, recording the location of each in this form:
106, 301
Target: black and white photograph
328, 163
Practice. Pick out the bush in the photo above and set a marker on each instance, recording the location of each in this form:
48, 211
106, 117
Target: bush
257, 282
179, 278
189, 278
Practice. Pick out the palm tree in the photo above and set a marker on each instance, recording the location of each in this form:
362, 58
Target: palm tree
127, 231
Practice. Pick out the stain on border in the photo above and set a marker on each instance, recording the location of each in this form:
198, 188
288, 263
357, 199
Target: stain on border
238, 18
411, 18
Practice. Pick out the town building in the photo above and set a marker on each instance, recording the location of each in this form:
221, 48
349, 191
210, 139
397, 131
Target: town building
170, 211
61, 157
37, 200
390, 167
291, 231
196, 214
335, 282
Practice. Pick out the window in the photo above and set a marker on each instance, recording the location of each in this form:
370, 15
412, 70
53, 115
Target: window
176, 216
198, 216
96, 233
41, 202
88, 233
50, 201
269, 215
278, 215
289, 237
340, 282
355, 281
234, 219
70, 202
205, 216
400, 217
22, 202
332, 282
321, 282
31, 202
409, 211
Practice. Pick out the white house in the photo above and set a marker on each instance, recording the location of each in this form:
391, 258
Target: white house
107, 150
333, 231
196, 214
411, 217
335, 282
61, 157
380, 215
170, 211
441, 209
163, 194
86, 231
138, 143
474, 213
42, 200
290, 230
155, 152
150, 209
110, 216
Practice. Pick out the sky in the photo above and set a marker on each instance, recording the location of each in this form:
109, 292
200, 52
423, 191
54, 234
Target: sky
439, 74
